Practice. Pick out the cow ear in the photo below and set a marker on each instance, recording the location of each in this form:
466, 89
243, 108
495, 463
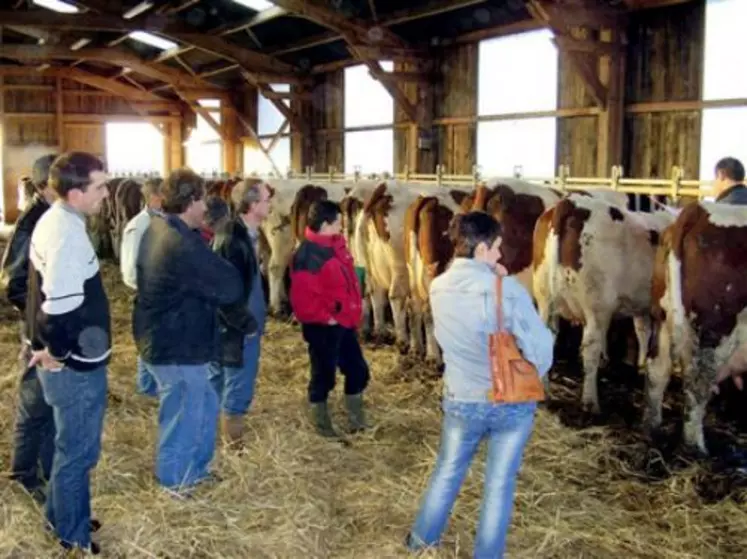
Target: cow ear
458, 196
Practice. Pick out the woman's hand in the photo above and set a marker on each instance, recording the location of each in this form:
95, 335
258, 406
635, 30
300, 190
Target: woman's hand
45, 360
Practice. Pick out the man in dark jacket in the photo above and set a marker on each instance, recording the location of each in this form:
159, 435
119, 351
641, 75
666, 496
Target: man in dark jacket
729, 185
326, 299
242, 324
33, 441
180, 285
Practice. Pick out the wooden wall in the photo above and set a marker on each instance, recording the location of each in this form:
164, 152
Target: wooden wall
664, 63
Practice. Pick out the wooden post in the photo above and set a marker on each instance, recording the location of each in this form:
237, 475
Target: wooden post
59, 122
610, 120
230, 140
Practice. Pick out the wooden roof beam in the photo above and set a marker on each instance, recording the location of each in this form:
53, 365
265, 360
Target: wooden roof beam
117, 57
268, 93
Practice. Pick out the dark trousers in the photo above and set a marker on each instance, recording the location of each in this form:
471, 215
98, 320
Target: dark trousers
33, 436
330, 347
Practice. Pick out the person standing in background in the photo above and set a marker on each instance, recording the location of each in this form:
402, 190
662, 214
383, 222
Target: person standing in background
131, 237
33, 437
242, 324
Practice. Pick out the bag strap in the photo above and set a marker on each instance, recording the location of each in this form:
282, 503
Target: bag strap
499, 300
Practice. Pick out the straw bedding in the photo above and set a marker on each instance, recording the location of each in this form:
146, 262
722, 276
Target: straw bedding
585, 490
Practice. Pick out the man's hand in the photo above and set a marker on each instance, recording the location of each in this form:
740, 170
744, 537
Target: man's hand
45, 360
332, 322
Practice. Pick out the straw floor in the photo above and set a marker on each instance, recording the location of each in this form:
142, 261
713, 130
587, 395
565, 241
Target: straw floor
585, 490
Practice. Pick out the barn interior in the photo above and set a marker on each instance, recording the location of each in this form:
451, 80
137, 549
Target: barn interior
418, 88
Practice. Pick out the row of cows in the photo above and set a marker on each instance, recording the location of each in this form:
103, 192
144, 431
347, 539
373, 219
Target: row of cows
585, 257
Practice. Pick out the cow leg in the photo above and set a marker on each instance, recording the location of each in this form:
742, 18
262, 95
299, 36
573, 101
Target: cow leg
659, 370
417, 344
592, 349
399, 314
433, 351
699, 377
275, 279
366, 330
378, 302
642, 325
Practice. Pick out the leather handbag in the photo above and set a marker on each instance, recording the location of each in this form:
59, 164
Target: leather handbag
514, 378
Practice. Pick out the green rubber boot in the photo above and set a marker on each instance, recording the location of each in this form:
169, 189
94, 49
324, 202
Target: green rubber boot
356, 415
322, 421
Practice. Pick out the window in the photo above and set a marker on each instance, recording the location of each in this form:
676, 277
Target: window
134, 147
723, 134
367, 102
153, 40
204, 147
372, 151
517, 74
256, 5
269, 118
723, 77
525, 146
256, 163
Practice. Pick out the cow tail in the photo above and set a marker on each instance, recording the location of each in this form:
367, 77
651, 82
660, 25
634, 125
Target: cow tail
562, 212
360, 240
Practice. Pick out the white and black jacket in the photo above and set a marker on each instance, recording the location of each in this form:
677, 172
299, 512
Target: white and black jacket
67, 310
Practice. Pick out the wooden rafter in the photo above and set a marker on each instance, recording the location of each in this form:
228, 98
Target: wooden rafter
269, 94
115, 56
203, 112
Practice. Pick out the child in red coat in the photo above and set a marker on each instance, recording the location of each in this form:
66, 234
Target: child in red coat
325, 296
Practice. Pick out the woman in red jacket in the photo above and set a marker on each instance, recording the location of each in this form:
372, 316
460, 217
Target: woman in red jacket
326, 299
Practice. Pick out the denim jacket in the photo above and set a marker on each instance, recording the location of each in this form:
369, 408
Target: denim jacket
463, 301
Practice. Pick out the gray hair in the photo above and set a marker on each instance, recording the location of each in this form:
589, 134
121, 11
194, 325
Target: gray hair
152, 187
246, 193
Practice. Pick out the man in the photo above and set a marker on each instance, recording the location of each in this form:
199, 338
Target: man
33, 441
326, 299
68, 323
242, 324
180, 284
217, 216
728, 187
133, 234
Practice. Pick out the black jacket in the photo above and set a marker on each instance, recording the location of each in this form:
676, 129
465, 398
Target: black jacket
236, 322
14, 270
180, 285
736, 195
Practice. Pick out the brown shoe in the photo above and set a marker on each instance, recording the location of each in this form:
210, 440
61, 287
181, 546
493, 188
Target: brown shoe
233, 429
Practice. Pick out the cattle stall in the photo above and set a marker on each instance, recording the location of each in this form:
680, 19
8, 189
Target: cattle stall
583, 126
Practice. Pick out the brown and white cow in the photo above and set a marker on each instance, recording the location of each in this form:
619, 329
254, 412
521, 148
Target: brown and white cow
428, 251
594, 261
699, 307
284, 226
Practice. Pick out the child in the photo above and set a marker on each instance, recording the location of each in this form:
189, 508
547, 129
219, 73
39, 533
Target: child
326, 299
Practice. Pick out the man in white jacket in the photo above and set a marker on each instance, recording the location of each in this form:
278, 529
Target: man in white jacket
131, 238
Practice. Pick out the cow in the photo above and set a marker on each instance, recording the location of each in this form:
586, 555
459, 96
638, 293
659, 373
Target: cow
428, 251
593, 261
283, 228
127, 202
699, 309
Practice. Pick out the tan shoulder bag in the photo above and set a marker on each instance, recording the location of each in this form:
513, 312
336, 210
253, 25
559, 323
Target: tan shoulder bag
514, 378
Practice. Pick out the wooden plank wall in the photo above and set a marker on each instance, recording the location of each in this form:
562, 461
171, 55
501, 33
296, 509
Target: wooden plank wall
665, 63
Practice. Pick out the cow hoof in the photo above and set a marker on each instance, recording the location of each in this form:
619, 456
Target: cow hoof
591, 409
402, 347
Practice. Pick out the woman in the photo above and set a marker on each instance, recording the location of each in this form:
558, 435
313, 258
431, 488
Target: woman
463, 300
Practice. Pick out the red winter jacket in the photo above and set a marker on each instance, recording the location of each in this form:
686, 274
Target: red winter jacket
323, 282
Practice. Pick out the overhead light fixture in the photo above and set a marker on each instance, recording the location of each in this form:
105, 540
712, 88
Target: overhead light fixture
137, 10
258, 5
153, 40
80, 43
56, 6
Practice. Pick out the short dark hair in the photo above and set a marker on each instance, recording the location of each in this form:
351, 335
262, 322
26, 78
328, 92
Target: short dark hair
40, 170
73, 170
321, 212
152, 187
468, 230
216, 211
180, 189
246, 193
732, 168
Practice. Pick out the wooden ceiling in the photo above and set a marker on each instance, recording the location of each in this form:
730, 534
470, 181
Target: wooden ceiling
222, 44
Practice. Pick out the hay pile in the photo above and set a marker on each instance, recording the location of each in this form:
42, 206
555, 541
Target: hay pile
294, 495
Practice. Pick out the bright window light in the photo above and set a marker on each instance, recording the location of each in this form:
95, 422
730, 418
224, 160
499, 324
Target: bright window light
370, 150
526, 146
367, 102
268, 115
137, 10
257, 5
153, 40
256, 163
134, 147
721, 55
57, 6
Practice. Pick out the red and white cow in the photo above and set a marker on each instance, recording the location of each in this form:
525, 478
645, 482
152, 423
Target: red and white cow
593, 261
699, 307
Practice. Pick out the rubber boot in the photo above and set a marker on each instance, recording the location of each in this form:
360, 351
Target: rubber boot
322, 421
233, 429
356, 415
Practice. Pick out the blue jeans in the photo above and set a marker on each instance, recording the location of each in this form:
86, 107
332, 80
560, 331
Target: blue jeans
78, 400
507, 428
33, 437
235, 385
146, 384
187, 424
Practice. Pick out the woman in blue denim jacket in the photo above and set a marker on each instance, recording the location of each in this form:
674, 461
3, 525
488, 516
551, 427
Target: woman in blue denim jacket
463, 300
